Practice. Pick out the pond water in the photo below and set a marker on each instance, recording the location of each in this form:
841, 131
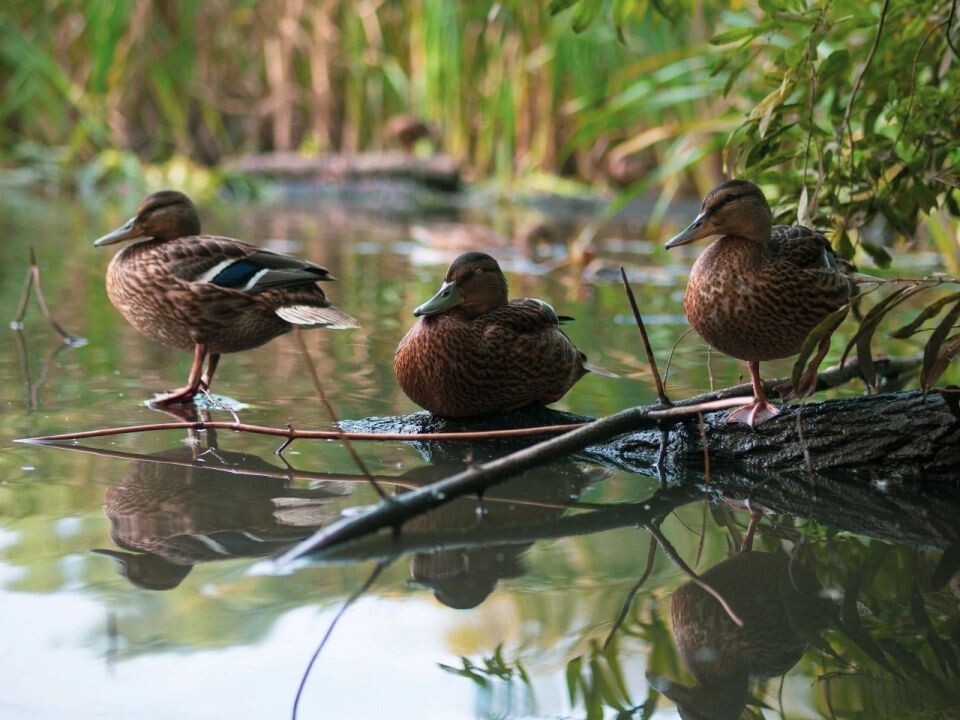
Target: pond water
135, 578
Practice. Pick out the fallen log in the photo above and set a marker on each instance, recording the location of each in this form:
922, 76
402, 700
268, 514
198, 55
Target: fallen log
440, 172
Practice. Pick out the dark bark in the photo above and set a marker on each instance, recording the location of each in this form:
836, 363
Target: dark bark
891, 436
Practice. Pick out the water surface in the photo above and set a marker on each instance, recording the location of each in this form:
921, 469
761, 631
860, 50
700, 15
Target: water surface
132, 580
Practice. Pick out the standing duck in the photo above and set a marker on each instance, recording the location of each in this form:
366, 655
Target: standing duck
758, 290
205, 294
473, 351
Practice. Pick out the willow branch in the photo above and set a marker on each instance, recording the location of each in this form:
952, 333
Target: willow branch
479, 477
332, 415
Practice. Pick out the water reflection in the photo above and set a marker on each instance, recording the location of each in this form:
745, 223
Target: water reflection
780, 604
463, 577
184, 506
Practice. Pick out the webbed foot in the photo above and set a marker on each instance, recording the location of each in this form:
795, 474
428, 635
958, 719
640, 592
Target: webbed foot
751, 415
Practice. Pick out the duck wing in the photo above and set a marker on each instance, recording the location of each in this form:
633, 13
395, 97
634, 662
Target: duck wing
524, 315
237, 265
806, 248
808, 267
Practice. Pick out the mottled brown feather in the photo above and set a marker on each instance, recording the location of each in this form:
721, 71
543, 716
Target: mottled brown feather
457, 364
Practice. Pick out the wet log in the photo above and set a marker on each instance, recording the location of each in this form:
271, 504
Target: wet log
439, 172
895, 436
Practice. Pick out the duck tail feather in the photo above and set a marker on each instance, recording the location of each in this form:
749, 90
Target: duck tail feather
314, 316
597, 370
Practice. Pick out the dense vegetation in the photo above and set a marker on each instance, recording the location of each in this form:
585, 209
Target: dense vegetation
843, 106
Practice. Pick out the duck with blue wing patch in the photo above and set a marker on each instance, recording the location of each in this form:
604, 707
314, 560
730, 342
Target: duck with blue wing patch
207, 294
472, 351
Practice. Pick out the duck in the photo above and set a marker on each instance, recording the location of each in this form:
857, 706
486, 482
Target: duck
473, 352
757, 291
207, 294
407, 130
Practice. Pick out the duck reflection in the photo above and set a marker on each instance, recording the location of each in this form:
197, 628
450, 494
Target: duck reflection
464, 578
780, 603
180, 508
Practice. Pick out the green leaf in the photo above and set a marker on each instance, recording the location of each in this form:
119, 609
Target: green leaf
585, 14
555, 7
573, 678
930, 311
824, 329
939, 350
878, 254
742, 33
834, 64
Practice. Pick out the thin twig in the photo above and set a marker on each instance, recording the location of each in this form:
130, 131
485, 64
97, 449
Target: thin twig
332, 416
953, 14
381, 566
688, 571
481, 476
304, 434
628, 601
666, 371
859, 81
661, 392
33, 279
829, 378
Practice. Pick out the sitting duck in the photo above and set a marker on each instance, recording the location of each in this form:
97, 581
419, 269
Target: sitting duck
758, 290
206, 294
473, 351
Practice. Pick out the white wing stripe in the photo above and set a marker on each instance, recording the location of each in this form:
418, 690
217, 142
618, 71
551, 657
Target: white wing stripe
215, 270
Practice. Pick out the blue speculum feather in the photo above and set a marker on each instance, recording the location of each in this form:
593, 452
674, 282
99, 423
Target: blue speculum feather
237, 274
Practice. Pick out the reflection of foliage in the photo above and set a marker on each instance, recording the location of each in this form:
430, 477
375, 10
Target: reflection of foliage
496, 680
890, 628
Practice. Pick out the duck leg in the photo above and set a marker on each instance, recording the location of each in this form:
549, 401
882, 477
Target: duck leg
808, 381
760, 410
207, 377
192, 387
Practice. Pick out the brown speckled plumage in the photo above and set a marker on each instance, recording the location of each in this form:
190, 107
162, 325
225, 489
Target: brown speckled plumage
209, 294
758, 290
485, 353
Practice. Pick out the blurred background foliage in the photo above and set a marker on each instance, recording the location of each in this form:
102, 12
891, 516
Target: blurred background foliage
842, 107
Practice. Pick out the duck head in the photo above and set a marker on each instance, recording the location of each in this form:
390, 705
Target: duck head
474, 284
736, 208
165, 215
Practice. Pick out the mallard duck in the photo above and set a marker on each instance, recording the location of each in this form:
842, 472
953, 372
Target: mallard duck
206, 294
758, 290
473, 351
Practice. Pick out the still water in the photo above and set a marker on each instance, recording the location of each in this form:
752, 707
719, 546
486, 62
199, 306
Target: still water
135, 578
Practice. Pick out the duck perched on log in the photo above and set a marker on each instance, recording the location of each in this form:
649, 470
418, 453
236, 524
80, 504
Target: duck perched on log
758, 290
206, 294
473, 351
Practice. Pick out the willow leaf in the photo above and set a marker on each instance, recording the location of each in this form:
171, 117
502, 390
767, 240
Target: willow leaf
940, 349
931, 310
872, 319
823, 330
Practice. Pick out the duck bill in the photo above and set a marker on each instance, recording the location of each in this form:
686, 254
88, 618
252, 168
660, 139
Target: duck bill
447, 297
696, 230
125, 232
